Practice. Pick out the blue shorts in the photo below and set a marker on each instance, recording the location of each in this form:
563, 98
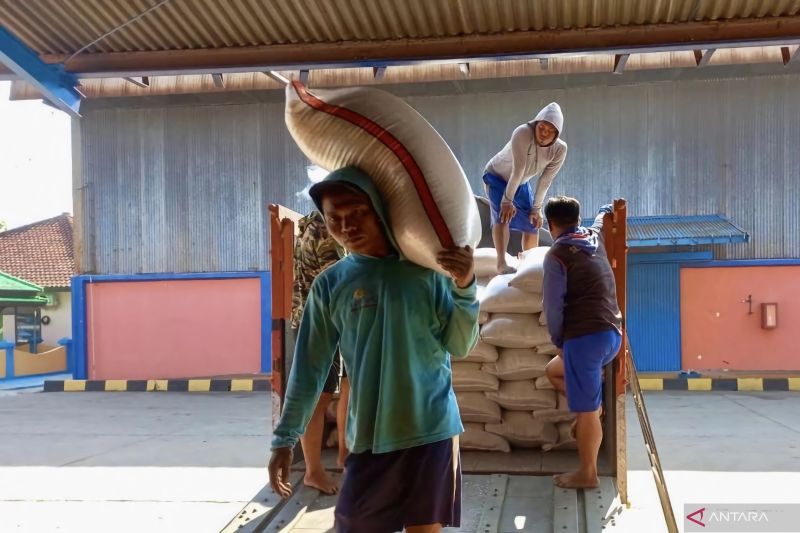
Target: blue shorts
523, 201
385, 492
584, 359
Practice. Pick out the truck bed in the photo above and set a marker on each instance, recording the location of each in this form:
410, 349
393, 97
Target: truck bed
517, 496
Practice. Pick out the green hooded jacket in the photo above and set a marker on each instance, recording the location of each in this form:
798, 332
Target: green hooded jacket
396, 324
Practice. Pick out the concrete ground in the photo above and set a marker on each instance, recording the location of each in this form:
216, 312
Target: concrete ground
187, 462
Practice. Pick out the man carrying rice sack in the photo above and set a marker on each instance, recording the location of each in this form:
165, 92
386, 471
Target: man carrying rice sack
396, 324
314, 251
534, 149
584, 321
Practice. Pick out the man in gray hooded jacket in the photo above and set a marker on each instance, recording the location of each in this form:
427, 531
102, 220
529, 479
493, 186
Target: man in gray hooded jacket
535, 149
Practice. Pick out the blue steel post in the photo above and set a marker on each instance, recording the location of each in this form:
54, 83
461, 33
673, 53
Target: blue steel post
56, 85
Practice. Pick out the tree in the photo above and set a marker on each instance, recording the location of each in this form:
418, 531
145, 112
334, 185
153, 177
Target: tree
3, 225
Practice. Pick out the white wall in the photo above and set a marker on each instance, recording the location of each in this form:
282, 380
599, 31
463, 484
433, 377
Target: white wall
60, 319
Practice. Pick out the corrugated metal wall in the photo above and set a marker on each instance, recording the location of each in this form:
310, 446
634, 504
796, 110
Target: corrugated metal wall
175, 188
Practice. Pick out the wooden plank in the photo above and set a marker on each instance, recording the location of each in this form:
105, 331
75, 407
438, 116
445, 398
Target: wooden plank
615, 233
257, 510
558, 462
622, 450
283, 228
601, 504
565, 510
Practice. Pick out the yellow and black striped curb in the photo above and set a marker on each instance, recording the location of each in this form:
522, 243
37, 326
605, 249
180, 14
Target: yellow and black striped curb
158, 385
720, 384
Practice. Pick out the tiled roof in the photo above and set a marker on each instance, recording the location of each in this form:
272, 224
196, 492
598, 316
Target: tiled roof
41, 253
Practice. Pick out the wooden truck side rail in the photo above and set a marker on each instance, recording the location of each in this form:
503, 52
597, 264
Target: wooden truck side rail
615, 238
282, 229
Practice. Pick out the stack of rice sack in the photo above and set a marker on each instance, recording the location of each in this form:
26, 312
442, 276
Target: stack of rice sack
505, 399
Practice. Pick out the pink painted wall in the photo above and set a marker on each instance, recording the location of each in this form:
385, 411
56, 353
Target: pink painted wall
717, 331
173, 329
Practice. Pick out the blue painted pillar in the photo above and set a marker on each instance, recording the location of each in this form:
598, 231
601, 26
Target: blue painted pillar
8, 348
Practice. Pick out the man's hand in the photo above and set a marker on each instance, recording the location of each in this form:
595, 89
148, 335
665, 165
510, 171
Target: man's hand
536, 218
507, 211
458, 262
279, 465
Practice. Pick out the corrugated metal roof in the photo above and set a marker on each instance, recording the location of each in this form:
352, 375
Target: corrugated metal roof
58, 27
676, 230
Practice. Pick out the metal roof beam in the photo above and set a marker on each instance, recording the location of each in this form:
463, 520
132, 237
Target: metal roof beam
57, 86
619, 63
788, 55
143, 82
277, 77
768, 31
702, 57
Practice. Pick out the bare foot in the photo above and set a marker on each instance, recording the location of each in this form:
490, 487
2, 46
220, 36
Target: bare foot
506, 269
321, 481
576, 480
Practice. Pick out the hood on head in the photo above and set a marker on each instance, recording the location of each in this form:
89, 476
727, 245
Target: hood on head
552, 113
583, 239
358, 181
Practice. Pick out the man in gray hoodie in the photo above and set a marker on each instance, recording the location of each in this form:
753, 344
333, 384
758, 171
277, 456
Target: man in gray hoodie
535, 149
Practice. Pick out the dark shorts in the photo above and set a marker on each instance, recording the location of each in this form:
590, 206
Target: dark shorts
385, 492
523, 201
584, 359
332, 383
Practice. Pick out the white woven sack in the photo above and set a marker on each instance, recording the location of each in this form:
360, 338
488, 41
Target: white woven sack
547, 349
524, 431
523, 396
543, 318
429, 200
482, 353
476, 407
486, 262
514, 364
560, 413
512, 330
530, 272
483, 317
501, 298
476, 438
543, 383
468, 377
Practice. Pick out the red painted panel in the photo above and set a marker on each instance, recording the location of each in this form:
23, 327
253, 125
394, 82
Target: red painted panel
717, 331
173, 328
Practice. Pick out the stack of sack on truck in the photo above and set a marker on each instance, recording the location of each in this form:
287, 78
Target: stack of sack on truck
505, 399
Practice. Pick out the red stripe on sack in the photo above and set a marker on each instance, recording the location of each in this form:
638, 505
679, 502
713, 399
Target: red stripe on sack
397, 148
